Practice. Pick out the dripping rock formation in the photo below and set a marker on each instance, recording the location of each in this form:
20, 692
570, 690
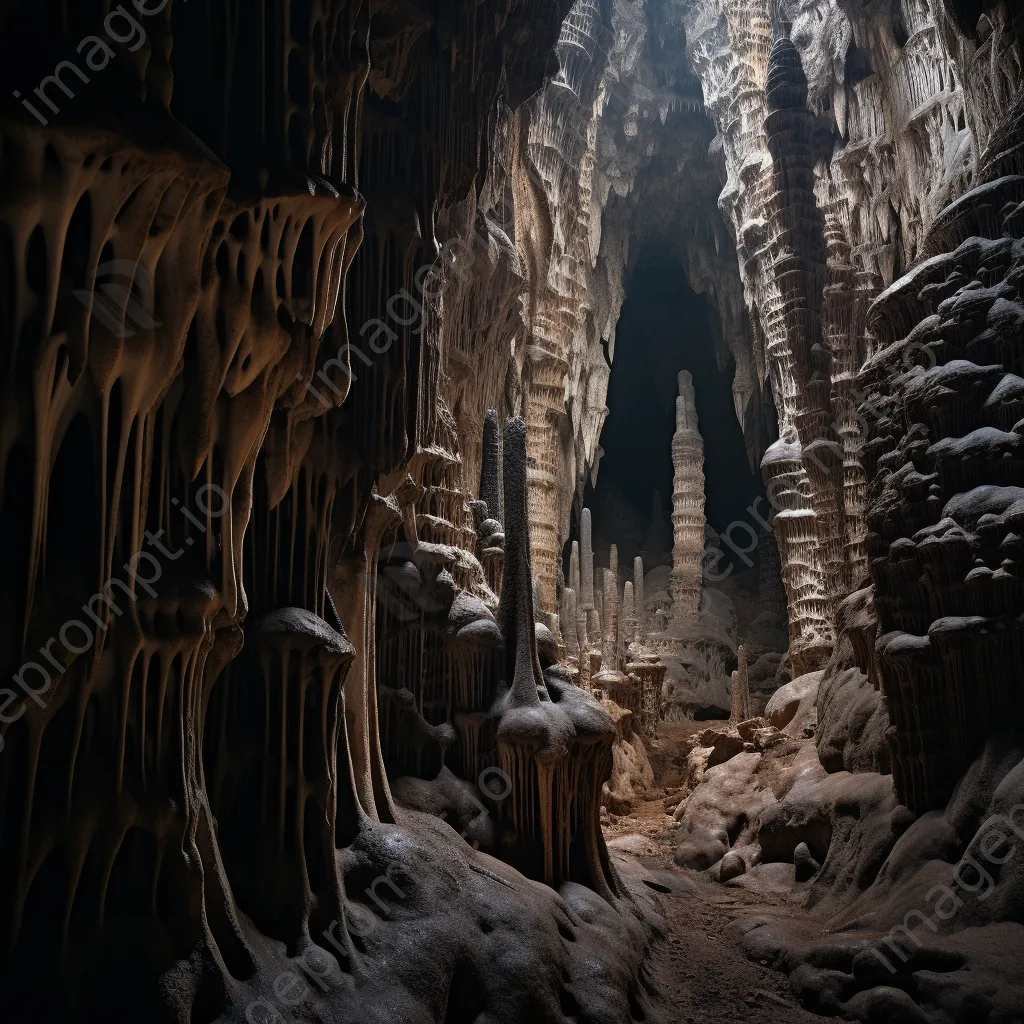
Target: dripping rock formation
328, 692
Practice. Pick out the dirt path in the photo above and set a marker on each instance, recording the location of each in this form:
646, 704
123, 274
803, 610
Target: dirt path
699, 970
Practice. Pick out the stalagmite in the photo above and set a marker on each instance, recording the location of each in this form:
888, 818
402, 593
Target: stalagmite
640, 608
569, 626
610, 614
627, 631
687, 505
740, 687
587, 604
490, 473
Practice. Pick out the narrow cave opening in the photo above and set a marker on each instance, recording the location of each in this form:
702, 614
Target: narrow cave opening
665, 327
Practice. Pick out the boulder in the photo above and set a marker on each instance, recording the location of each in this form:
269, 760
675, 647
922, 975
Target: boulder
732, 866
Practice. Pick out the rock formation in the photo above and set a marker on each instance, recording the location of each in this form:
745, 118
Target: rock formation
309, 314
687, 506
740, 689
237, 413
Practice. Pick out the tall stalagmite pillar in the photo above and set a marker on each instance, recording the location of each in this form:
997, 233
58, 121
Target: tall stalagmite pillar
627, 627
800, 268
638, 596
569, 630
740, 688
588, 604
687, 505
610, 612
490, 471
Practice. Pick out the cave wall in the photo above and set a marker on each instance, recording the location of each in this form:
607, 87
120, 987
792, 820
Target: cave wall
831, 191
859, 143
835, 138
237, 350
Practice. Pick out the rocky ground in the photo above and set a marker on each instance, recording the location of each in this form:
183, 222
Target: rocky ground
699, 971
790, 891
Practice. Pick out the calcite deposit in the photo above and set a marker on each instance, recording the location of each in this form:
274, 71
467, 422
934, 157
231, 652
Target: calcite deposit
307, 324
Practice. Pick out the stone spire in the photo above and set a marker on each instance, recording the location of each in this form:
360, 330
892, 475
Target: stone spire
638, 594
687, 505
570, 628
627, 629
609, 661
490, 470
588, 603
627, 602
586, 561
740, 688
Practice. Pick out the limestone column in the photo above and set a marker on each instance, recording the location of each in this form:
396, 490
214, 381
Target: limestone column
558, 154
740, 689
638, 595
490, 469
610, 661
546, 426
579, 622
588, 604
799, 268
687, 506
627, 630
570, 632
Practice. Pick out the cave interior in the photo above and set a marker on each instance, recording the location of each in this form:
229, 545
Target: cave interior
511, 511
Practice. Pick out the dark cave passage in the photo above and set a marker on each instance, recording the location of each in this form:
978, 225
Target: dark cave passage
664, 327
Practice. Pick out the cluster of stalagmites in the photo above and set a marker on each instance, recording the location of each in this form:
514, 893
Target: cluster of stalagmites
614, 641
468, 684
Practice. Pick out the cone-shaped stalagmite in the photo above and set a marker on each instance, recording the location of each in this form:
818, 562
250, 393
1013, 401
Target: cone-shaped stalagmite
545, 744
740, 688
588, 603
568, 624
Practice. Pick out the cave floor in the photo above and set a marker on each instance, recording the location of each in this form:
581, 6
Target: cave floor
698, 968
